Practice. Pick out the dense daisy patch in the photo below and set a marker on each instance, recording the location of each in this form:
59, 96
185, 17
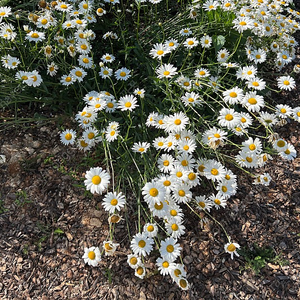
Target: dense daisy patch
174, 96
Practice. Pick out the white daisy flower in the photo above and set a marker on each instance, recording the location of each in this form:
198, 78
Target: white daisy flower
169, 249
122, 74
231, 248
67, 137
113, 201
159, 50
97, 180
164, 265
128, 102
110, 247
133, 261
141, 244
286, 83
153, 192
150, 229
166, 71
140, 147
92, 256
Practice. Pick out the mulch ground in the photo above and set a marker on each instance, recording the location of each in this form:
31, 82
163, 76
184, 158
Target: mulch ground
46, 221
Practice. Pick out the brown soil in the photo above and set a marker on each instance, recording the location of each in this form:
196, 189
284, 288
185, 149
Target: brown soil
48, 220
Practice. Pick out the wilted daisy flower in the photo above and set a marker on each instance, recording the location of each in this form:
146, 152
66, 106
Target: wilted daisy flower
133, 260
92, 256
113, 201
52, 69
289, 153
166, 71
128, 102
10, 62
97, 180
150, 229
178, 272
286, 83
165, 266
122, 74
67, 137
83, 145
109, 247
169, 249
140, 270
231, 249
100, 11
141, 244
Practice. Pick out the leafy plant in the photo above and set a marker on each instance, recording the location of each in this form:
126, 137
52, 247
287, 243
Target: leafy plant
257, 257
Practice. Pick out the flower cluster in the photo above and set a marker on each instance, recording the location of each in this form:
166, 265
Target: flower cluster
165, 105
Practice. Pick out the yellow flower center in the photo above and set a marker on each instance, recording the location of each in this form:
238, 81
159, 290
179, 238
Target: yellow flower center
231, 248
192, 176
252, 101
167, 183
165, 264
170, 248
184, 163
224, 189
243, 23
150, 228
153, 192
160, 52
214, 172
217, 201
44, 21
183, 283
186, 147
123, 74
171, 44
173, 212
114, 202
181, 193
258, 56
287, 151
233, 94
252, 147
201, 168
85, 6
133, 260
174, 227
179, 174
229, 117
202, 204
68, 136
96, 179
286, 82
139, 270
255, 83
83, 144
177, 272
83, 47
249, 159
91, 135
166, 163
166, 73
141, 243
159, 205
202, 73
186, 83
64, 6
91, 255
281, 144
284, 56
78, 73
78, 21
128, 104
141, 149
191, 99
24, 77
100, 10
34, 35
190, 43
